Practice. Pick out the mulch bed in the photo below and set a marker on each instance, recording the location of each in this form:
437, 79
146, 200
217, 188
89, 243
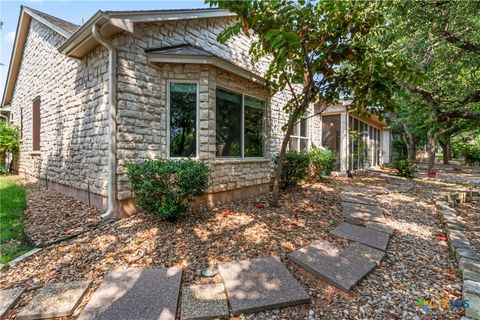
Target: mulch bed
418, 264
51, 216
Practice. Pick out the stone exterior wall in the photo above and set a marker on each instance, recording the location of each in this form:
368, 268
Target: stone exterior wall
74, 107
142, 99
73, 112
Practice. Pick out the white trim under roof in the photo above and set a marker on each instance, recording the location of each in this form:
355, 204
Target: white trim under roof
111, 22
208, 60
20, 37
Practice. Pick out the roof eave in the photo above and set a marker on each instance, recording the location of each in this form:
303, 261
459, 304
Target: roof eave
206, 60
112, 22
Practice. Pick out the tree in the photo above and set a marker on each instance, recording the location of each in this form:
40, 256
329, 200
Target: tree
325, 43
441, 40
9, 141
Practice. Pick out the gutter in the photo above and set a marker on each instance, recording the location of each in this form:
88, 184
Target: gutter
112, 211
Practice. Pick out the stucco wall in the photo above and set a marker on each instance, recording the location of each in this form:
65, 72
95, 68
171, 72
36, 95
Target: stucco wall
73, 112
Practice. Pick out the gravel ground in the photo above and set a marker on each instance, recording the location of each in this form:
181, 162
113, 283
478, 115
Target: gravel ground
419, 263
469, 214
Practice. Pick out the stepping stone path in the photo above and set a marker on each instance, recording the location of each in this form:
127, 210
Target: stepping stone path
366, 229
8, 298
355, 197
360, 214
135, 294
55, 300
366, 252
340, 267
370, 237
204, 302
259, 284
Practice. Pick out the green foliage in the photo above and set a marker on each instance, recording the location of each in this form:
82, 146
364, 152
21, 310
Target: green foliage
9, 138
405, 168
13, 204
322, 161
468, 150
164, 187
3, 170
295, 169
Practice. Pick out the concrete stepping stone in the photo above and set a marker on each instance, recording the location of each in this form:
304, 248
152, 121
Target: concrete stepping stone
259, 284
355, 197
473, 311
466, 253
360, 214
368, 236
470, 286
8, 298
379, 227
204, 302
469, 264
136, 294
366, 252
342, 268
471, 275
55, 300
368, 190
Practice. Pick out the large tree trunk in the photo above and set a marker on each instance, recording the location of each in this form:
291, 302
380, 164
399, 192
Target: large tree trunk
431, 150
411, 143
279, 169
446, 149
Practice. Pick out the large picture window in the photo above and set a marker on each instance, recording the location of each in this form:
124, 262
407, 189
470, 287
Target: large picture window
299, 138
240, 125
183, 119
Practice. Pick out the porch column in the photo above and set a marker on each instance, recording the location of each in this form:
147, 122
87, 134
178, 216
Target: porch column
385, 146
343, 142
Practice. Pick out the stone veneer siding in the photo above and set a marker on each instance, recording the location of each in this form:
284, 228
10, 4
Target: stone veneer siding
74, 107
73, 113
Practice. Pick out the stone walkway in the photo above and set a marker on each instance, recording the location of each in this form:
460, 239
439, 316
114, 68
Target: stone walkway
250, 285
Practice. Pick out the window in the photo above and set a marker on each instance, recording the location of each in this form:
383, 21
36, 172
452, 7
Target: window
240, 125
254, 127
36, 124
183, 119
299, 137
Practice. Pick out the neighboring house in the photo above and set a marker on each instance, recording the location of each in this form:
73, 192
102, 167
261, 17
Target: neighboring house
163, 86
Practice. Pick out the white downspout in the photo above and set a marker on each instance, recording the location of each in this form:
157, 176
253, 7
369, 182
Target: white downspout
112, 211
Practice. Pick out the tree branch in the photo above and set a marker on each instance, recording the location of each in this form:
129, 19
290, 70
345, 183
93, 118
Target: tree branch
457, 114
462, 44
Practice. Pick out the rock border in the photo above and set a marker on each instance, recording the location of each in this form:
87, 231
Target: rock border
467, 259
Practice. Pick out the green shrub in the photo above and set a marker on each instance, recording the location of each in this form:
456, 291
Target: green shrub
405, 168
322, 161
295, 169
3, 170
164, 187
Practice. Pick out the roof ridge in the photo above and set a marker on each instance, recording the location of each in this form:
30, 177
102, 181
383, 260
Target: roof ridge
61, 23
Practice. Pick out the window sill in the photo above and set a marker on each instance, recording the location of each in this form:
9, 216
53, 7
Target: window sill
240, 160
35, 153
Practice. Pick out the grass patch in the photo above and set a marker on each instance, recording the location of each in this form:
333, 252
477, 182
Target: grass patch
13, 201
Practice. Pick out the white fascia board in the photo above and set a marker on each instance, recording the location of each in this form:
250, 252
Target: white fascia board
208, 60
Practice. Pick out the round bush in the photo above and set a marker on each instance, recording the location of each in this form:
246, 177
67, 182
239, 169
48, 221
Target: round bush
164, 187
295, 169
322, 161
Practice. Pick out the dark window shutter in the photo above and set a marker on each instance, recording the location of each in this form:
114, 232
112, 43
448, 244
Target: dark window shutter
36, 125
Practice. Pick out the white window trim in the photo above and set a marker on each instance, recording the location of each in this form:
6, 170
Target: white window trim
242, 137
197, 118
307, 137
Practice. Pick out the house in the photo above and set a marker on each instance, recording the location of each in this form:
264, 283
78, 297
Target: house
131, 85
